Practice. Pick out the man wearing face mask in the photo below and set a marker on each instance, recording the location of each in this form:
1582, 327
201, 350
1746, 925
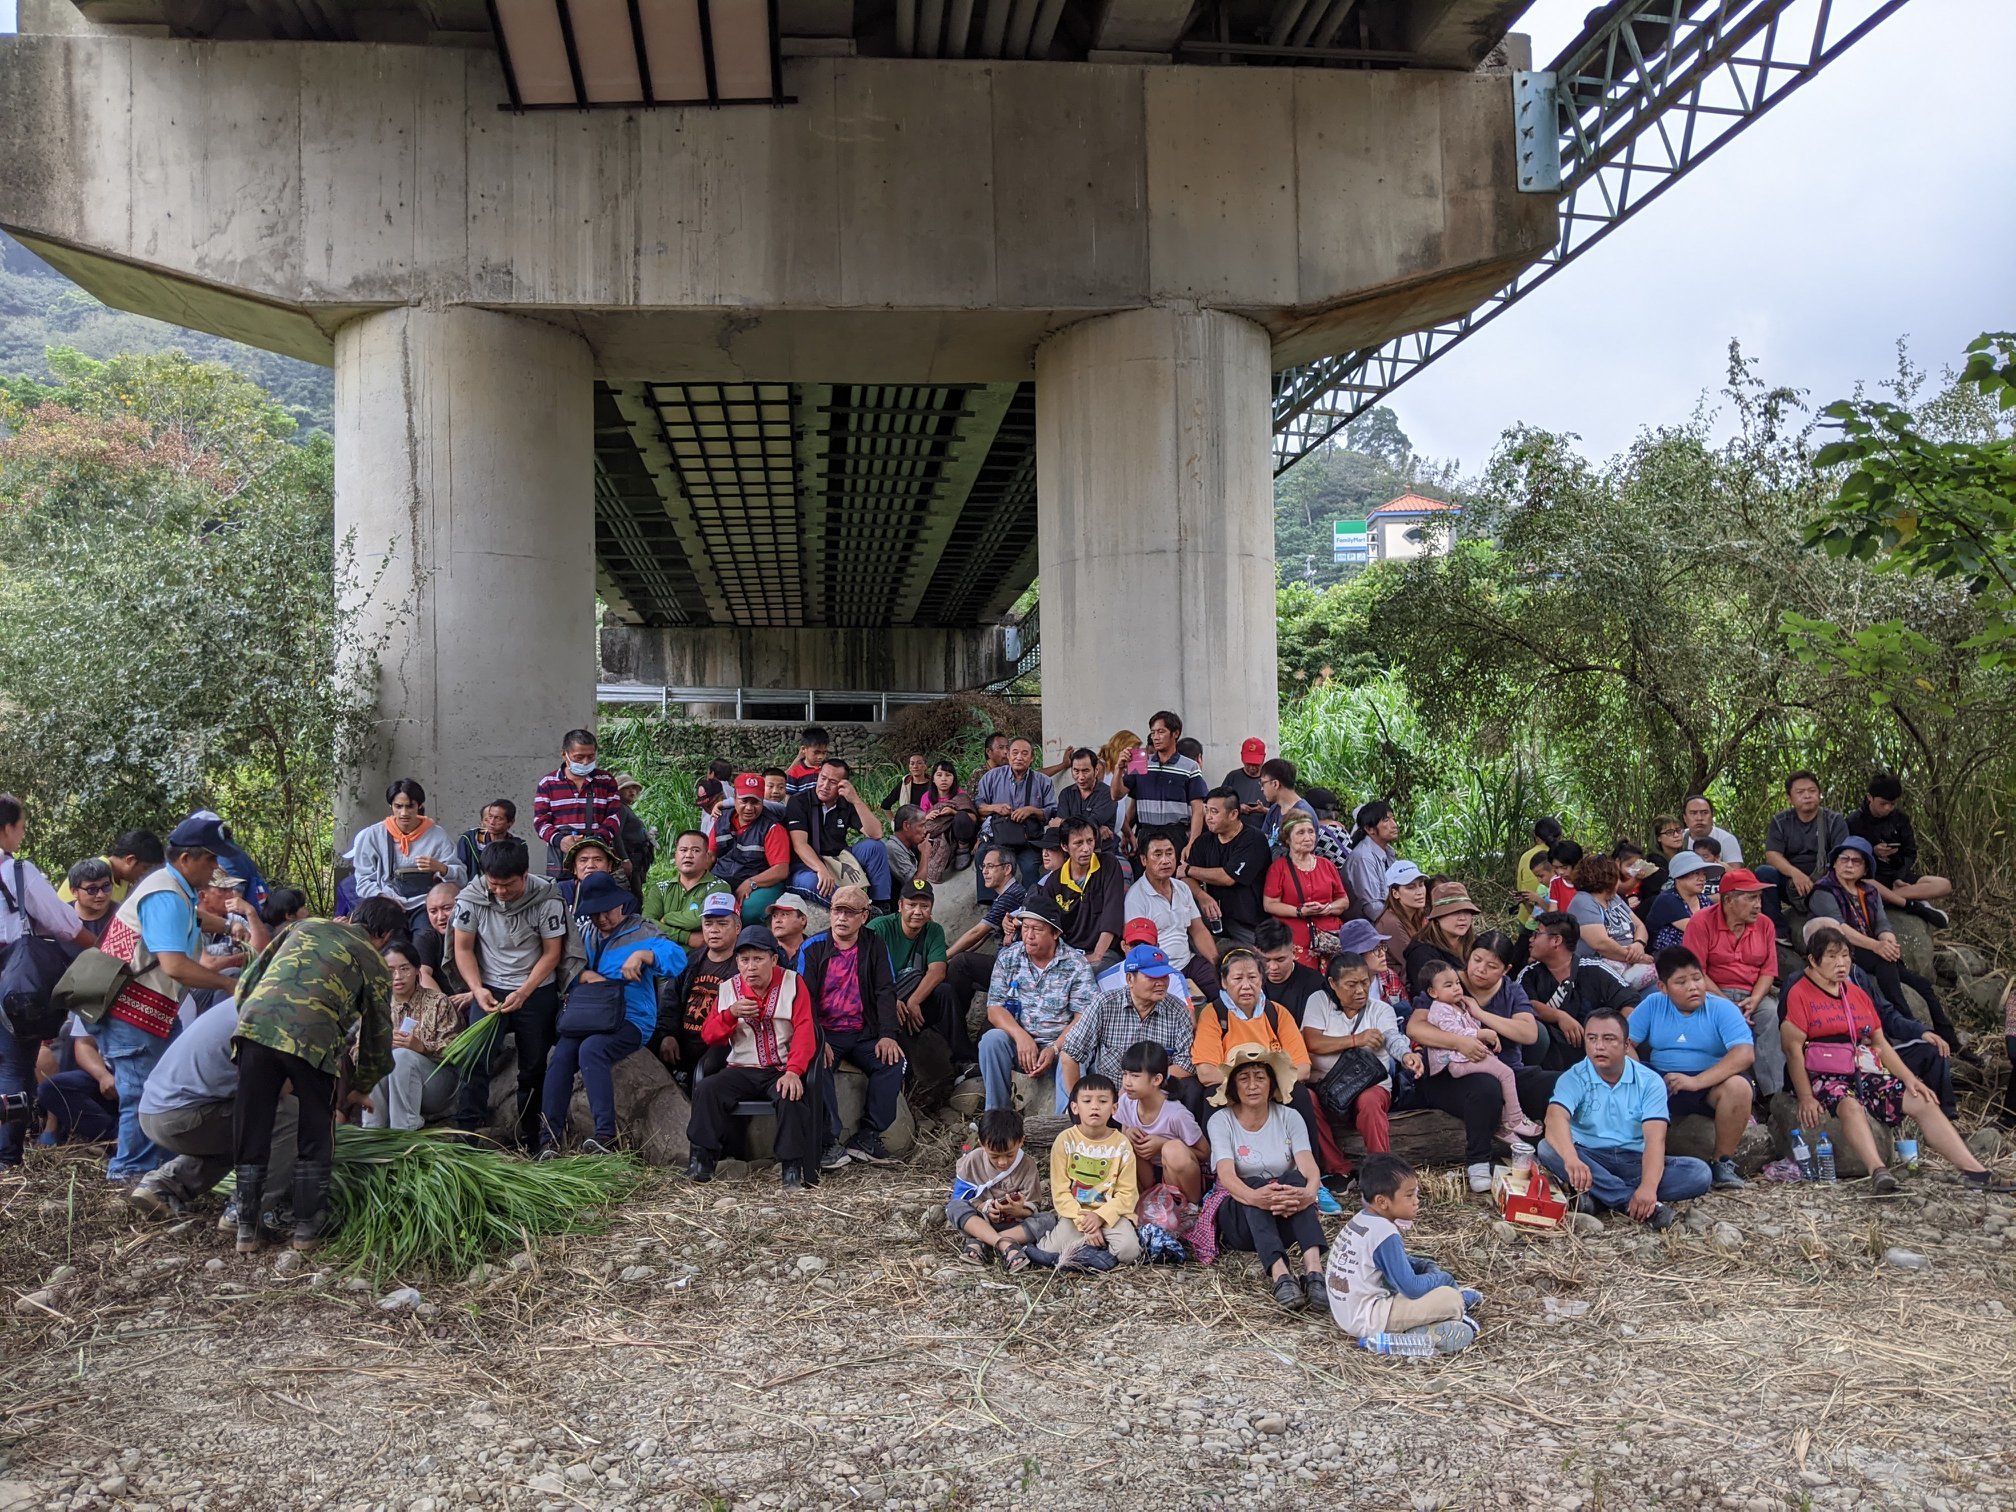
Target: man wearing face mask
514, 947
576, 800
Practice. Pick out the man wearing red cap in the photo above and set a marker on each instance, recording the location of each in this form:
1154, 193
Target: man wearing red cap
1244, 779
752, 850
1738, 948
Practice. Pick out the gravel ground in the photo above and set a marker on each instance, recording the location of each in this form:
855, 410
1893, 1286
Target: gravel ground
729, 1347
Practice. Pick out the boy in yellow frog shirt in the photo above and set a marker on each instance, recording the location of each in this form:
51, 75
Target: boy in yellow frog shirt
1094, 1185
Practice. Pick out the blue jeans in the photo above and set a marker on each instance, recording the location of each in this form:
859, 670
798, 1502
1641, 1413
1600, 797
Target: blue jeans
874, 861
998, 1068
81, 1113
595, 1057
1614, 1174
132, 1055
17, 1074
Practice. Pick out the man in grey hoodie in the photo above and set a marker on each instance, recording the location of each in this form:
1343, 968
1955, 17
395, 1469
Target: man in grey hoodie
515, 947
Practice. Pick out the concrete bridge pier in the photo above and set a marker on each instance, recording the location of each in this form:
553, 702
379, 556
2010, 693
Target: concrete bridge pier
1155, 528
465, 484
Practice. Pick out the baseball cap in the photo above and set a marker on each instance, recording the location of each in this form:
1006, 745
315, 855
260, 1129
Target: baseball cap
720, 905
1140, 932
791, 901
1148, 960
1741, 879
1400, 873
756, 937
1043, 911
917, 887
1254, 749
204, 830
749, 785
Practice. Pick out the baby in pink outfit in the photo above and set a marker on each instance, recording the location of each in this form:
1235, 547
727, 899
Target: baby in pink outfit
1449, 1009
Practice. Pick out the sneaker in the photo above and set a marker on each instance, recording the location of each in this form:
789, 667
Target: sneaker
1664, 1216
1725, 1173
1584, 1202
1881, 1182
1473, 1301
1480, 1176
835, 1157
1456, 1335
156, 1202
1936, 917
1328, 1205
699, 1170
793, 1177
1985, 1181
592, 1146
1317, 1287
1289, 1293
867, 1148
548, 1152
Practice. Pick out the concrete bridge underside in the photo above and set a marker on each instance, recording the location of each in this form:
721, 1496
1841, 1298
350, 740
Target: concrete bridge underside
853, 367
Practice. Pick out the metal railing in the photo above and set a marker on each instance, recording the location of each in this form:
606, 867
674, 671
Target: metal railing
805, 700
1651, 90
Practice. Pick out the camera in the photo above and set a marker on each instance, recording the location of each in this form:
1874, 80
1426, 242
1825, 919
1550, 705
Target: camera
16, 1107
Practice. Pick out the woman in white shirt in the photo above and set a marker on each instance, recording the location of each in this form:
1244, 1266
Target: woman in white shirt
1352, 1016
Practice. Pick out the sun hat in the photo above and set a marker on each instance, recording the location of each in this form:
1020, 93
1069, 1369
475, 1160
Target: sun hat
1861, 848
1250, 1054
625, 781
600, 893
1359, 936
1042, 910
591, 842
1450, 898
1685, 865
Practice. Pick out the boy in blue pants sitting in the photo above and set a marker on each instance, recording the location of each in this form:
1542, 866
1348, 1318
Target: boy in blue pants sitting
1375, 1285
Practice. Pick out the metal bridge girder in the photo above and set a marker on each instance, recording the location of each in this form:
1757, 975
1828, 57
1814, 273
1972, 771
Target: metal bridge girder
1648, 92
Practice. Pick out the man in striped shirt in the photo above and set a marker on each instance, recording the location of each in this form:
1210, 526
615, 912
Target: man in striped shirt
576, 800
1168, 788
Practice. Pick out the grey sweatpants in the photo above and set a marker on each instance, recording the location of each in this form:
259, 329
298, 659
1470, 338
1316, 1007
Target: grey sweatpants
201, 1139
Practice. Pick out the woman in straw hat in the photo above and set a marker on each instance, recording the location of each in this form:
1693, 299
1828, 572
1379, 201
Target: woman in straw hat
1261, 1155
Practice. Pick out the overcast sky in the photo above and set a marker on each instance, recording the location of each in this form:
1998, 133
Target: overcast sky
1874, 203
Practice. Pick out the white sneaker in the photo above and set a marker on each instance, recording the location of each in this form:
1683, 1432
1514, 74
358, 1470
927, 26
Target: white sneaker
1480, 1177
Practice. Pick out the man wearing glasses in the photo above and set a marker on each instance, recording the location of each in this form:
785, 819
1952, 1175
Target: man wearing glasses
854, 1004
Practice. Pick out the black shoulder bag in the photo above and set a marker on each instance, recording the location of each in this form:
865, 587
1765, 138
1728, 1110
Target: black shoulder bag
594, 1007
1357, 1070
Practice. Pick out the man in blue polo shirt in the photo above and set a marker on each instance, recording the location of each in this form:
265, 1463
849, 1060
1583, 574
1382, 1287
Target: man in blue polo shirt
1167, 787
1606, 1132
1701, 1046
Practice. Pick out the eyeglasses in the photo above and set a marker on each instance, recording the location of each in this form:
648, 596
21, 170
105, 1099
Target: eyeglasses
95, 888
848, 913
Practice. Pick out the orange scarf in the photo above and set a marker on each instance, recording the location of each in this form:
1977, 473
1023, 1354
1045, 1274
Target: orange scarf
405, 842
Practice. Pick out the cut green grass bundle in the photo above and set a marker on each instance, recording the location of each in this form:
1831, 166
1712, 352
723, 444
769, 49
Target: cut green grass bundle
472, 1046
414, 1200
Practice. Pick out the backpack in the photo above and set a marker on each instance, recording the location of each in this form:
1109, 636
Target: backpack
1225, 1019
30, 968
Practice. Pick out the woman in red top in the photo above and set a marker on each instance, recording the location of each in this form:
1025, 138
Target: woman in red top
1305, 891
1840, 1063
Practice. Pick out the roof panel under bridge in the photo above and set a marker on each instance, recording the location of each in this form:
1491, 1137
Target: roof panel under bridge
841, 505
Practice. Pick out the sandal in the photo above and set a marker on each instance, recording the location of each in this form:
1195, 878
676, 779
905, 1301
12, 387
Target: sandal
1016, 1258
973, 1252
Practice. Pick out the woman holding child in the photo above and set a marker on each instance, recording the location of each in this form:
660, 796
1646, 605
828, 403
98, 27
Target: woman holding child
1480, 1101
1262, 1157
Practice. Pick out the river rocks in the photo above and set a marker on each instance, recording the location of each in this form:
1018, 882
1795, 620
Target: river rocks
1725, 1237
1914, 937
651, 1111
401, 1299
1695, 1135
1905, 1260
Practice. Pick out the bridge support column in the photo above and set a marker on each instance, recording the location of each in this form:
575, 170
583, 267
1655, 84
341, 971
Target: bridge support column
1155, 529
465, 476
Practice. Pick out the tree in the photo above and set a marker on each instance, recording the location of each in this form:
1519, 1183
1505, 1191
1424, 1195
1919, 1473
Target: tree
168, 628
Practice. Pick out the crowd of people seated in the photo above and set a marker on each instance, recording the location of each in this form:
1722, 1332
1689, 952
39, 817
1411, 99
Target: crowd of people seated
1218, 986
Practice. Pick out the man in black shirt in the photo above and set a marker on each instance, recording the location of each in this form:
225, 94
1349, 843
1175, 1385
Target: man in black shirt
1090, 892
820, 819
1289, 982
1228, 868
1566, 991
1888, 830
1086, 797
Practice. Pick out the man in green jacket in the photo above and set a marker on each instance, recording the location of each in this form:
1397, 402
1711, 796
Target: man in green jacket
298, 1003
674, 904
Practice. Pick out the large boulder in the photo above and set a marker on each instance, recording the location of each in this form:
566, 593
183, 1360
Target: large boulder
1785, 1114
1422, 1137
1695, 1135
850, 1093
651, 1111
1914, 939
1983, 997
1955, 963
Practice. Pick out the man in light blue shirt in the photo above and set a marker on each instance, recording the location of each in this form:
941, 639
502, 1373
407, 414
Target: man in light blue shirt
1606, 1132
1701, 1046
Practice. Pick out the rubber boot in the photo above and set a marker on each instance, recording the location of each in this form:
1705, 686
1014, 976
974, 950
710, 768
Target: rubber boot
311, 1202
249, 1191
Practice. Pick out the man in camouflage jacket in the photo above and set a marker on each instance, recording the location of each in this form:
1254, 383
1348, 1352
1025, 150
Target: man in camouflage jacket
298, 1002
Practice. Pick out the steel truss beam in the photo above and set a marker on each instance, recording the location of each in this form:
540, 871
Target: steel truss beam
1651, 90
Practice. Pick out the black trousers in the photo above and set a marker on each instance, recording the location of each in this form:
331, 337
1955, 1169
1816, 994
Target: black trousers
945, 1016
714, 1103
532, 1030
1478, 1100
262, 1075
966, 973
1933, 1069
1892, 977
1265, 1234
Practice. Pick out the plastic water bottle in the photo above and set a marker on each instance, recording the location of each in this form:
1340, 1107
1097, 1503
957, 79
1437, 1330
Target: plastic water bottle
1823, 1159
1907, 1154
1801, 1156
1414, 1344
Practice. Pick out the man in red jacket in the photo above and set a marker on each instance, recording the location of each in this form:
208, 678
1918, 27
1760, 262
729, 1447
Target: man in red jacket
764, 1017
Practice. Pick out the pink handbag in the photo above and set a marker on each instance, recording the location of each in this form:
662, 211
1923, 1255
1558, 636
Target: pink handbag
1830, 1058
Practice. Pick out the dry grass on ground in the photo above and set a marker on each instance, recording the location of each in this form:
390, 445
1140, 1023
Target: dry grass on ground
727, 1346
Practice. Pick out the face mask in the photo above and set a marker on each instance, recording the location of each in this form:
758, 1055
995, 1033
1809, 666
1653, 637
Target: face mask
581, 768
